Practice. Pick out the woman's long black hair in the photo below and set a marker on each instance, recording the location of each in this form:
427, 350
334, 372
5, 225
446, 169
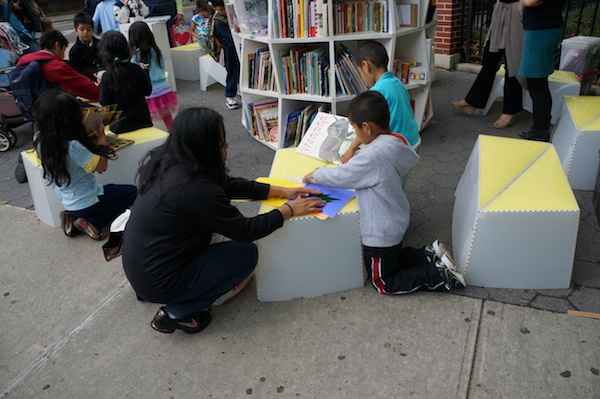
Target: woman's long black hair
196, 143
141, 41
58, 120
115, 55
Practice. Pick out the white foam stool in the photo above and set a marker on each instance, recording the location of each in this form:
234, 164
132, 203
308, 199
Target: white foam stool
120, 171
576, 138
560, 83
211, 72
515, 217
185, 61
308, 256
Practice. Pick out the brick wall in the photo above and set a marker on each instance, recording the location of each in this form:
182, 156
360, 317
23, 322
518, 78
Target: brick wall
450, 25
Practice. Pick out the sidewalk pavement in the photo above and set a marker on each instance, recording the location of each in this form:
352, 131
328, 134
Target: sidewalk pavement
71, 326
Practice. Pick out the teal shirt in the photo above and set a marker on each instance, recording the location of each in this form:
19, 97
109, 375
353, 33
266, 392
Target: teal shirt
156, 70
402, 117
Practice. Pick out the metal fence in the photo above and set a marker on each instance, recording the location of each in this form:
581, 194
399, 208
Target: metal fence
581, 16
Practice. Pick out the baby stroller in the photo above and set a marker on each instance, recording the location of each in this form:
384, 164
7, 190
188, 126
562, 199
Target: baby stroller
10, 117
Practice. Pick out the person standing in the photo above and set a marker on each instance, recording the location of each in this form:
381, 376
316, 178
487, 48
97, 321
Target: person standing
504, 39
172, 8
544, 28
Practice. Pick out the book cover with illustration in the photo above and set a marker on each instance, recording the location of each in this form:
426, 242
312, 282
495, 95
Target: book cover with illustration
335, 198
328, 137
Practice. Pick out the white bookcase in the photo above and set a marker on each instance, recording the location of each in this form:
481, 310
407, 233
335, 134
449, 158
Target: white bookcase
411, 43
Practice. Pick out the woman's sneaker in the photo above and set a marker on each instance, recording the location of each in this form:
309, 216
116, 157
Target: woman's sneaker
66, 222
450, 273
163, 323
83, 225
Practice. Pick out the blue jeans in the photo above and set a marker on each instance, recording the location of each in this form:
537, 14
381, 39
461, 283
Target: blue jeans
116, 198
218, 269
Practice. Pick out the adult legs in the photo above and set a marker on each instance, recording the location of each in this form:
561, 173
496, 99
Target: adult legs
513, 101
542, 109
480, 90
542, 102
218, 269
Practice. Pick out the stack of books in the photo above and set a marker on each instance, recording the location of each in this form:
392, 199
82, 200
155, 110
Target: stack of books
305, 70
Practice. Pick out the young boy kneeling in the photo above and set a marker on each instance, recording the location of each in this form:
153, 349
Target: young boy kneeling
377, 172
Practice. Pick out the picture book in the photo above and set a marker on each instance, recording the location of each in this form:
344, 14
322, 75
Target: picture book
335, 198
328, 137
107, 114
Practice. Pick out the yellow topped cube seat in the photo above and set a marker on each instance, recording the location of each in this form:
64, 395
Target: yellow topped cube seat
515, 217
308, 256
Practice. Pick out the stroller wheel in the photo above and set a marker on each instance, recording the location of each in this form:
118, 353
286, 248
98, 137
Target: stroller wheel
4, 142
12, 137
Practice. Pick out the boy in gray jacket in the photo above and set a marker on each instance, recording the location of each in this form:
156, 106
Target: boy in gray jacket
377, 172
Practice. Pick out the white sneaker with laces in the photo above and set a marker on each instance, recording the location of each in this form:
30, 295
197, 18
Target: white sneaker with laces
231, 103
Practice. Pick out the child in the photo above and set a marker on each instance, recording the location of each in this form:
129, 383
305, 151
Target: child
56, 70
136, 10
199, 22
104, 17
84, 53
377, 173
371, 61
232, 63
162, 102
69, 158
124, 83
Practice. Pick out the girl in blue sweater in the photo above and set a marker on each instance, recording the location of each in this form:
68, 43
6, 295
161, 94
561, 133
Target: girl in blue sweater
162, 102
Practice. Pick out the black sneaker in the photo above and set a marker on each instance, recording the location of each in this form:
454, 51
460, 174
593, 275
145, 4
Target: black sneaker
163, 323
536, 135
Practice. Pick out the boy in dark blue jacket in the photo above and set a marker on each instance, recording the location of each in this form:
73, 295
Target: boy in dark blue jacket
84, 53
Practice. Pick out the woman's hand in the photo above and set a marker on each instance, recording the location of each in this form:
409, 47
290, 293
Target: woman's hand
301, 206
295, 192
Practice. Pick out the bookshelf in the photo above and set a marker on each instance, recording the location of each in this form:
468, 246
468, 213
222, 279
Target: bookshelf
320, 31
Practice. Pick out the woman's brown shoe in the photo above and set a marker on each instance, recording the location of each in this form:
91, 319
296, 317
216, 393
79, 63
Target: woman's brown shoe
503, 124
467, 109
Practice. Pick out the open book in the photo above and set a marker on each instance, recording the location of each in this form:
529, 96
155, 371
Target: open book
108, 114
328, 137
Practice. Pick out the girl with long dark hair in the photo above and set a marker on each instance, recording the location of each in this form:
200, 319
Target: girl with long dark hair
185, 195
69, 158
124, 84
162, 102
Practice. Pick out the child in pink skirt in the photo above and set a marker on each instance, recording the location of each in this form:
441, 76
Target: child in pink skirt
162, 102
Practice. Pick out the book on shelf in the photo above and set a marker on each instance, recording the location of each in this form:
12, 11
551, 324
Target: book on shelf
361, 16
347, 75
299, 18
266, 117
291, 124
304, 71
327, 138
